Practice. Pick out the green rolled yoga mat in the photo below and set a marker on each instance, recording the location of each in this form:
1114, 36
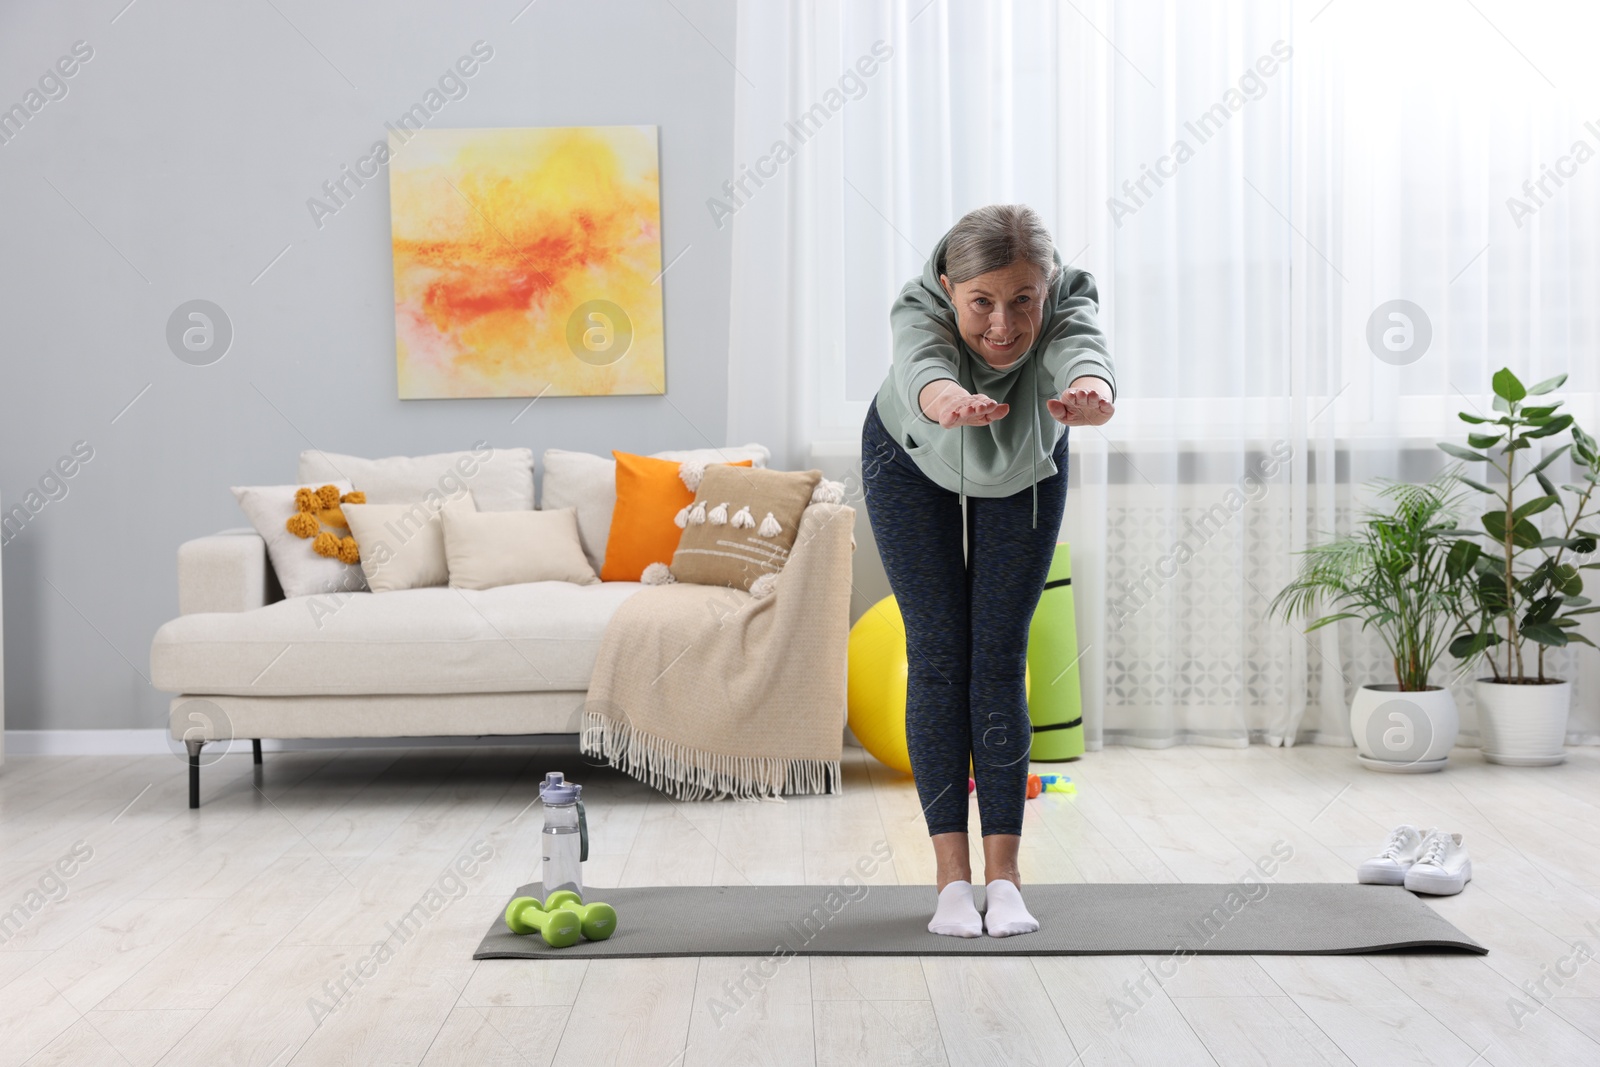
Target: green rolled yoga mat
1055, 703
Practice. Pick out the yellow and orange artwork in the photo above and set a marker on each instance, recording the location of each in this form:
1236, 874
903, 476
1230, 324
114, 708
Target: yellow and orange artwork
527, 262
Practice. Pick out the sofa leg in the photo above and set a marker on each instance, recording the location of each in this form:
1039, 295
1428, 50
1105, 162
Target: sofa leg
255, 750
194, 748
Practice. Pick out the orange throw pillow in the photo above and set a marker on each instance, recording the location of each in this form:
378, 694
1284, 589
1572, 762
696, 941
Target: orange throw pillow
649, 496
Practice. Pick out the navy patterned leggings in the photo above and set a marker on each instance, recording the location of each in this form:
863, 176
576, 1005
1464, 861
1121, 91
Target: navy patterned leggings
966, 625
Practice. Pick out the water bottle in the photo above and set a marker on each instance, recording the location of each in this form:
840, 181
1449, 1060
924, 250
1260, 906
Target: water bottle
566, 834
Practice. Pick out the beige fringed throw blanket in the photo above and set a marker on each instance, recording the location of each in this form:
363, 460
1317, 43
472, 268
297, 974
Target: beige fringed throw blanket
703, 691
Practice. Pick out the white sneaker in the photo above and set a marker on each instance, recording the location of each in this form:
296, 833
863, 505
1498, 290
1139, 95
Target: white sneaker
1389, 867
1442, 867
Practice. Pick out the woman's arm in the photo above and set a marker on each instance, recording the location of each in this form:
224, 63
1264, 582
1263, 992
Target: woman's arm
1076, 358
924, 347
1073, 346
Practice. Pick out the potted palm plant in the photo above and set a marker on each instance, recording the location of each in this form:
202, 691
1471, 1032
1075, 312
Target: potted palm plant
1525, 586
1398, 572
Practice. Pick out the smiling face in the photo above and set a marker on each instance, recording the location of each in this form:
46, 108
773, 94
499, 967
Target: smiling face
998, 313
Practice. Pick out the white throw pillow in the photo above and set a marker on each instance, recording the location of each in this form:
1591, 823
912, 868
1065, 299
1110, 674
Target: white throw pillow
501, 479
402, 546
488, 549
300, 571
588, 484
756, 454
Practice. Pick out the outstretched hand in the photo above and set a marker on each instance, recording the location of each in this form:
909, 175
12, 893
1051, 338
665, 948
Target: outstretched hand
973, 410
1087, 402
950, 406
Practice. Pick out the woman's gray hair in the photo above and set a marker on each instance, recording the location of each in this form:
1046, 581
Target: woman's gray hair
997, 236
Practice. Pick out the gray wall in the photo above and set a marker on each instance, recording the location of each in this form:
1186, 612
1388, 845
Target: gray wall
177, 165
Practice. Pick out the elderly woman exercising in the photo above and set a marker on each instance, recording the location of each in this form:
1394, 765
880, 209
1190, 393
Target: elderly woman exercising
997, 351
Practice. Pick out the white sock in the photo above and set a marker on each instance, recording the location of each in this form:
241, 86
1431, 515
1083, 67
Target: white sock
956, 915
1004, 912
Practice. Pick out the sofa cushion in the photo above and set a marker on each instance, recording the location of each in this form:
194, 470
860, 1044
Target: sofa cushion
540, 636
652, 498
402, 546
490, 549
588, 483
501, 479
300, 570
742, 525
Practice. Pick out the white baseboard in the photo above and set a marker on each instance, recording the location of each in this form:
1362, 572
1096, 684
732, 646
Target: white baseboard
157, 742
86, 742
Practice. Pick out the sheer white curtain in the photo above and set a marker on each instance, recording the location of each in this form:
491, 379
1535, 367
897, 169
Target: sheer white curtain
1251, 184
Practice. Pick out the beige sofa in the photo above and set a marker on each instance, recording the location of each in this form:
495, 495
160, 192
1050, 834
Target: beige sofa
246, 662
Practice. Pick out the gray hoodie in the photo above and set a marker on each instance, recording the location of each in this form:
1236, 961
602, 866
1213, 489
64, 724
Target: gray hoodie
1007, 455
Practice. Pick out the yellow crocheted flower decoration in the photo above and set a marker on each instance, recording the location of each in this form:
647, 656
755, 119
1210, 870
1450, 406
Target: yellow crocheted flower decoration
318, 516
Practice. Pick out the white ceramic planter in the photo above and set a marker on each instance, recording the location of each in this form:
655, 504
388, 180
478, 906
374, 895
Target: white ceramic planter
1406, 732
1523, 725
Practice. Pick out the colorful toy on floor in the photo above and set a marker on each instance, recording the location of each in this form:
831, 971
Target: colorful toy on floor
559, 928
876, 687
1049, 783
1056, 707
599, 921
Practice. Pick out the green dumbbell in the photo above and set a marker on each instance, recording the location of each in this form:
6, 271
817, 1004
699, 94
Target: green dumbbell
559, 927
599, 920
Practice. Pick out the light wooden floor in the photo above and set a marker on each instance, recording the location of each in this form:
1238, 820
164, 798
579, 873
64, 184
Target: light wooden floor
201, 937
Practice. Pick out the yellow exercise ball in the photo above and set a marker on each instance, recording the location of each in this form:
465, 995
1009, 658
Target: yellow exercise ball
877, 684
876, 689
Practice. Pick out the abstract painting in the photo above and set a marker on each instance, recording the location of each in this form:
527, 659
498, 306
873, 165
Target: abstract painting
527, 262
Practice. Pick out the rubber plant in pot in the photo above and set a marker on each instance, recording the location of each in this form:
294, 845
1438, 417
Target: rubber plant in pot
1525, 585
1399, 572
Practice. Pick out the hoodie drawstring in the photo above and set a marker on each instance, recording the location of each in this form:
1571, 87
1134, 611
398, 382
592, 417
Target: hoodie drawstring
1033, 457
1034, 452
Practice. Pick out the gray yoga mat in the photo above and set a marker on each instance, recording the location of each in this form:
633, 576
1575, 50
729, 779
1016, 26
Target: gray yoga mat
1289, 919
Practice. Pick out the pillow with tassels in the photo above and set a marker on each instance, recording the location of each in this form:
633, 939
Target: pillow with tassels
650, 492
741, 527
